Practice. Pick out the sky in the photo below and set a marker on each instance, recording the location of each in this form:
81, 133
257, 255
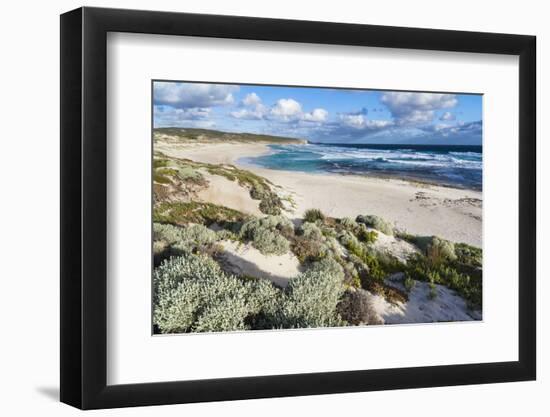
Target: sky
322, 114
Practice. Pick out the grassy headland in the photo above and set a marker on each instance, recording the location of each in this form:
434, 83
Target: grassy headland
177, 134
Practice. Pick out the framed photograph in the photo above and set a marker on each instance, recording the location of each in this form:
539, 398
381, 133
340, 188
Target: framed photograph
258, 208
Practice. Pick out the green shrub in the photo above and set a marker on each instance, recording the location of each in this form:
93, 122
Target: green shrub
188, 238
312, 297
408, 282
356, 309
190, 174
265, 234
224, 234
348, 223
376, 222
270, 242
433, 291
192, 293
312, 215
465, 280
311, 231
440, 250
365, 235
469, 255
308, 250
180, 213
160, 178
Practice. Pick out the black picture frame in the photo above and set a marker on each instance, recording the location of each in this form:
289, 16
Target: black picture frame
84, 207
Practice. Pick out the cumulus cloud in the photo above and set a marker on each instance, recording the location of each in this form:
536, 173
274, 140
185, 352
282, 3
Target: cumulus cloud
447, 116
251, 108
460, 129
287, 109
252, 99
192, 95
360, 122
170, 116
416, 108
317, 115
284, 110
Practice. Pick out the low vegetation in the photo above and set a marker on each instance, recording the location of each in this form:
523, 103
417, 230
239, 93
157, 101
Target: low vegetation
377, 223
266, 234
193, 294
187, 176
179, 213
344, 261
175, 134
455, 266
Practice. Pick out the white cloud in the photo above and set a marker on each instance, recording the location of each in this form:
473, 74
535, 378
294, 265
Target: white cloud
286, 109
447, 116
166, 116
416, 108
252, 99
252, 108
317, 115
359, 121
192, 95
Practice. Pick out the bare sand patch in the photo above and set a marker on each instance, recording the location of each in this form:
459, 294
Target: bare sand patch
224, 192
243, 259
420, 308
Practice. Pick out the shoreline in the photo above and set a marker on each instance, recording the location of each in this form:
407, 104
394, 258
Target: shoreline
413, 206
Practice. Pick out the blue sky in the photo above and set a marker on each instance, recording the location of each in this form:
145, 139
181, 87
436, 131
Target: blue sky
322, 114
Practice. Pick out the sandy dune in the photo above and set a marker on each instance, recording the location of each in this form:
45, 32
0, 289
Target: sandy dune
446, 306
453, 214
228, 193
245, 260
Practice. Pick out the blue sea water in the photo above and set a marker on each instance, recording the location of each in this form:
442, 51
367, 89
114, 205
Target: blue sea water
453, 165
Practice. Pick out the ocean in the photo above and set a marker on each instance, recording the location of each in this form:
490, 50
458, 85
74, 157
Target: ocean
451, 165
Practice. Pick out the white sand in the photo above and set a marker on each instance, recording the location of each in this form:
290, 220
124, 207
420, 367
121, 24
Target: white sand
450, 213
243, 259
224, 192
399, 248
446, 306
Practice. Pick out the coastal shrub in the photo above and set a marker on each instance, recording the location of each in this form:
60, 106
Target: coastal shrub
188, 238
365, 235
265, 234
432, 293
469, 255
224, 234
312, 215
348, 223
161, 178
192, 293
182, 213
313, 296
408, 282
311, 231
348, 239
440, 250
270, 203
308, 250
356, 308
464, 279
376, 222
270, 242
160, 163
190, 174
264, 303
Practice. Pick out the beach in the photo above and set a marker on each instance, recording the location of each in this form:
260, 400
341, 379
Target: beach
413, 207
